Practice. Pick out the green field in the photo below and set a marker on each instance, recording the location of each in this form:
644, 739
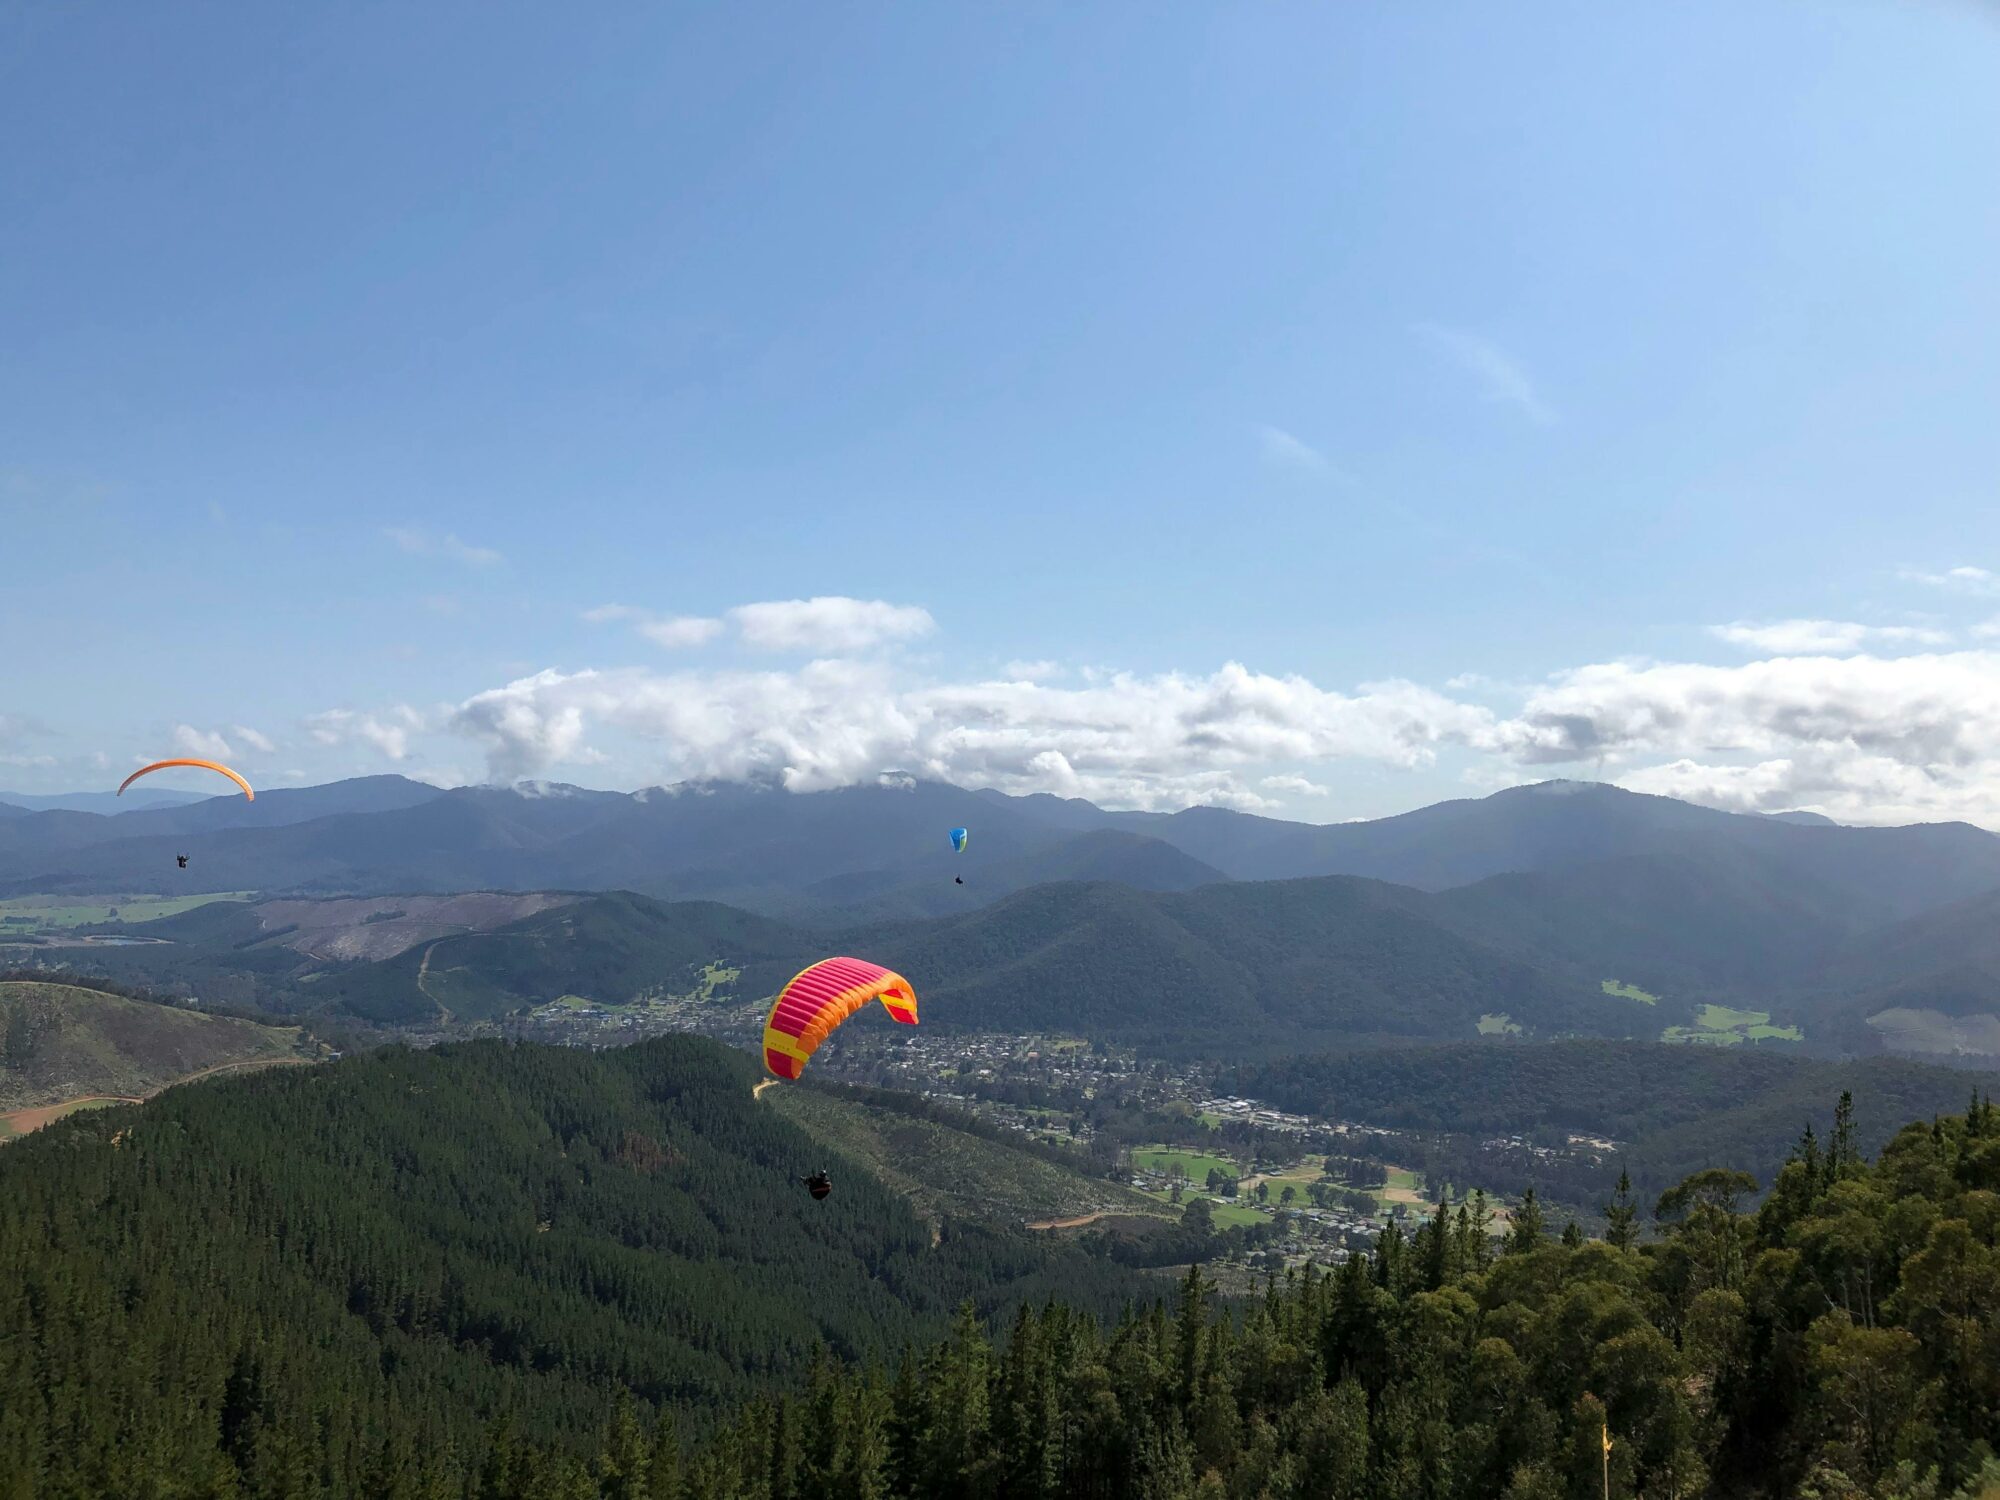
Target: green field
1193, 1163
1721, 1026
1498, 1026
1629, 992
1226, 1213
28, 915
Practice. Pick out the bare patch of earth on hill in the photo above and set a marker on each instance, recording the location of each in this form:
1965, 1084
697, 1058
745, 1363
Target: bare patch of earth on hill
376, 927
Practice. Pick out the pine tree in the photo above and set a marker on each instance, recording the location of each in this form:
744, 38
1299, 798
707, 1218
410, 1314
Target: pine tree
1190, 1322
663, 1464
1842, 1155
1622, 1214
1528, 1227
624, 1463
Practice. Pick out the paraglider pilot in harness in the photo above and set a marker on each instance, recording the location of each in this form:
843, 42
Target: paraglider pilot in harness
819, 1184
181, 860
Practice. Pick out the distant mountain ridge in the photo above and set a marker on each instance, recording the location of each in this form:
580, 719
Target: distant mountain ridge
1573, 882
880, 849
138, 799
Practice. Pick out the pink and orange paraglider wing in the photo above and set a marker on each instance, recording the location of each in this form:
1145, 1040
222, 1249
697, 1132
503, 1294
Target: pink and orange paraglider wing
819, 998
205, 765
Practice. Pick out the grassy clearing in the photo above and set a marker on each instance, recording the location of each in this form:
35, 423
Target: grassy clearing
1226, 1213
1498, 1026
1629, 992
1400, 1188
1196, 1165
1723, 1026
28, 915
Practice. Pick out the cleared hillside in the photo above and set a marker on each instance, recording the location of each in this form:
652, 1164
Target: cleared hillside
944, 1170
59, 1042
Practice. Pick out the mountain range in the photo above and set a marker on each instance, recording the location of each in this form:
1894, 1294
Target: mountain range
1516, 905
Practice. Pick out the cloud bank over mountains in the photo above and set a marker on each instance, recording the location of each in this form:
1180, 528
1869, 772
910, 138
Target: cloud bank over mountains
1827, 717
1867, 723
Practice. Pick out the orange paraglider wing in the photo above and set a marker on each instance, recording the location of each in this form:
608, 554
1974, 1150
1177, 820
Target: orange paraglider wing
819, 998
206, 765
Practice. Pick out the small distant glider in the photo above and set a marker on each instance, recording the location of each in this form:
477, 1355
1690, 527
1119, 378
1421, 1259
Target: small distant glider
819, 998
205, 765
958, 837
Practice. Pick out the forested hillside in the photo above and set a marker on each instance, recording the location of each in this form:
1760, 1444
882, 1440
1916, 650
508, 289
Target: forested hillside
1674, 1109
1842, 1341
370, 1298
274, 1277
610, 948
1221, 970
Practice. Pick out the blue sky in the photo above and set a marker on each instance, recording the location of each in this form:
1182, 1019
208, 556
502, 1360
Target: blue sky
1461, 373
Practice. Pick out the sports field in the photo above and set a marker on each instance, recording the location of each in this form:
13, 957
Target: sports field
1196, 1165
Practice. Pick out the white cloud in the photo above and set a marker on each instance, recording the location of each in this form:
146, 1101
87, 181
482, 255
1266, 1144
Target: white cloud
422, 543
1296, 785
1280, 447
258, 742
1961, 580
828, 624
1823, 637
1168, 740
1863, 738
201, 743
681, 630
673, 632
388, 733
1920, 709
1501, 378
1031, 671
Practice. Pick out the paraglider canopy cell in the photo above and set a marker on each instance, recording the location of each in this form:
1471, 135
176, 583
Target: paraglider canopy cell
203, 765
819, 998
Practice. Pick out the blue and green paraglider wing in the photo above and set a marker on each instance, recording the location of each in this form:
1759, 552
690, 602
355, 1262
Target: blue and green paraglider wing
958, 839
